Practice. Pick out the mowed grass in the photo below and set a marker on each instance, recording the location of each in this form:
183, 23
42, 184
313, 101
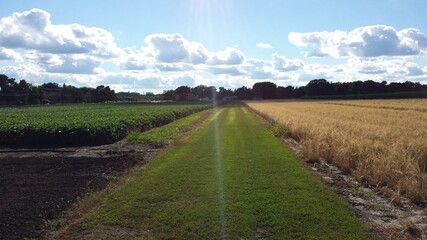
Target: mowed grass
232, 179
159, 137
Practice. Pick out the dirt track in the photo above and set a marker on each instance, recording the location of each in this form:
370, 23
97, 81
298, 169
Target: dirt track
38, 185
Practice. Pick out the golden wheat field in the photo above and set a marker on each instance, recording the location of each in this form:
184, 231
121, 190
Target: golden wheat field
383, 142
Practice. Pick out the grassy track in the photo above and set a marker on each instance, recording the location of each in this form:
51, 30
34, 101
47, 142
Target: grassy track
159, 137
231, 179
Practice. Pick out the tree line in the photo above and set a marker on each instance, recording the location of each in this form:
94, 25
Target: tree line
22, 93
316, 87
13, 92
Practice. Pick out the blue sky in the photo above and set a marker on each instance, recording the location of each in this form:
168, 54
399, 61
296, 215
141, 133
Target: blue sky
157, 45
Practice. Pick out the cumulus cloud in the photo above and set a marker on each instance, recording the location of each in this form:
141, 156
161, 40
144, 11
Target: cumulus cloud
225, 70
284, 64
176, 67
173, 48
132, 60
8, 54
368, 41
54, 63
184, 81
33, 30
263, 45
257, 69
76, 66
42, 51
387, 67
316, 71
142, 82
230, 56
134, 65
133, 82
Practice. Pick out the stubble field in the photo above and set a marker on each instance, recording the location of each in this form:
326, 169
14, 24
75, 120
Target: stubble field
381, 142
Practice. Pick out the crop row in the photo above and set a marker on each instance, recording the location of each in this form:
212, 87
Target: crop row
80, 125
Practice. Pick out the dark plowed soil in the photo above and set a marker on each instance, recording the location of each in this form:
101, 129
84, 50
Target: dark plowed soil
37, 186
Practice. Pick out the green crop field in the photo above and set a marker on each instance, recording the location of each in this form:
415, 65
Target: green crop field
84, 124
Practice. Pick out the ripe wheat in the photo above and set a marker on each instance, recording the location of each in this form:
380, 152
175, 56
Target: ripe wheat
383, 142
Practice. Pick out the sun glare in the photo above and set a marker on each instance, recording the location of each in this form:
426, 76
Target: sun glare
207, 18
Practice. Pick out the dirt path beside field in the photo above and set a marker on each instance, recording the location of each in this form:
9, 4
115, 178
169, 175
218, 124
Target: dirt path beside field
37, 185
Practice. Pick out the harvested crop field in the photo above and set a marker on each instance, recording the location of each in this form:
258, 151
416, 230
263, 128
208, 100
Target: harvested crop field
381, 142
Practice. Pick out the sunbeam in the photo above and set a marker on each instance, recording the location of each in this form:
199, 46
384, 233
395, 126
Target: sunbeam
219, 168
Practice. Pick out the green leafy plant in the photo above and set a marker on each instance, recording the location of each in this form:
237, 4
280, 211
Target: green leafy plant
85, 124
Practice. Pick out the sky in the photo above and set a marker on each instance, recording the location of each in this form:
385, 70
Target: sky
152, 46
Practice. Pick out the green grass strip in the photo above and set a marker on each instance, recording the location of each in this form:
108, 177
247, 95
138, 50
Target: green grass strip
232, 179
158, 137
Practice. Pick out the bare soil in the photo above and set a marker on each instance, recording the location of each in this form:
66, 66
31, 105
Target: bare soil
38, 185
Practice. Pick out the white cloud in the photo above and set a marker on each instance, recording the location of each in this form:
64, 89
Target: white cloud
134, 61
388, 68
257, 69
225, 70
40, 51
133, 82
173, 48
134, 65
316, 71
143, 82
230, 56
284, 64
33, 30
175, 67
76, 66
8, 54
263, 45
184, 81
369, 41
64, 63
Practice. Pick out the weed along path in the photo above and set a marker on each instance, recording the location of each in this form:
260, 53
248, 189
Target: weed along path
231, 179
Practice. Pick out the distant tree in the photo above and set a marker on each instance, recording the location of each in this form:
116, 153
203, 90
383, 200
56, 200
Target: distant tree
169, 95
342, 88
3, 81
36, 95
284, 92
23, 90
103, 94
264, 90
243, 93
299, 92
224, 93
357, 87
319, 87
200, 91
50, 85
203, 91
182, 92
7, 85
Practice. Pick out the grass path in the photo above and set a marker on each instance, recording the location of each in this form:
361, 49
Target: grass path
231, 179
